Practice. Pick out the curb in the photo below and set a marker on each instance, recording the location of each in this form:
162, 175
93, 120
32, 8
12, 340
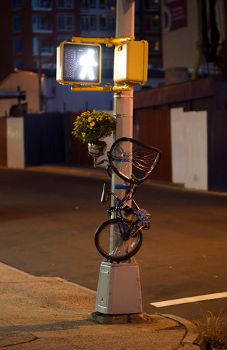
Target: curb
191, 339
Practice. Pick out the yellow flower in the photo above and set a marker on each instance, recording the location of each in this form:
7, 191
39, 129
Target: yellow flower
93, 125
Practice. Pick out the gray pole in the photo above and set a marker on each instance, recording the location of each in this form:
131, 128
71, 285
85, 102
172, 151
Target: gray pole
123, 103
119, 290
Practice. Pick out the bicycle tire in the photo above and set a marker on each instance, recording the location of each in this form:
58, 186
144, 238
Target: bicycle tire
123, 250
132, 160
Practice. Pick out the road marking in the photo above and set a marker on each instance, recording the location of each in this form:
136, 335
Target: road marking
190, 299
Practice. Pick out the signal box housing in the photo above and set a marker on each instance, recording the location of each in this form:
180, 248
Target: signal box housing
78, 63
131, 62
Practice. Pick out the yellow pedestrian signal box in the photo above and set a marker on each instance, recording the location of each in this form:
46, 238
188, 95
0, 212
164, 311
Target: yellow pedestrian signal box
131, 62
78, 63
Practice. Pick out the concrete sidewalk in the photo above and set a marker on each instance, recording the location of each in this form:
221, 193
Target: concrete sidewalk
51, 313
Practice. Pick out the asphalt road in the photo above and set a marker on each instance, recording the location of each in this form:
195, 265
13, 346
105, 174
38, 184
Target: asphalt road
47, 223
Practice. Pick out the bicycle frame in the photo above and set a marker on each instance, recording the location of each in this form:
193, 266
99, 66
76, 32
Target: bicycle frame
120, 237
121, 206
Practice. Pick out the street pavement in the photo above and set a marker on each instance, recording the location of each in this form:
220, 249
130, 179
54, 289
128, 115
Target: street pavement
52, 313
49, 312
41, 313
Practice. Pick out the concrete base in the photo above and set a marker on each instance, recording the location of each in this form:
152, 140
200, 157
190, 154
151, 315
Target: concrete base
119, 290
120, 319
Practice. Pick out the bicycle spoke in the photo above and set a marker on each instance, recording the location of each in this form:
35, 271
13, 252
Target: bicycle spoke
110, 243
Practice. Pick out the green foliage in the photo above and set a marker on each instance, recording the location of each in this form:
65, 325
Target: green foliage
91, 126
213, 328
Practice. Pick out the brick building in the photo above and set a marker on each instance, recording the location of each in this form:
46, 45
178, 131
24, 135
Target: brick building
30, 30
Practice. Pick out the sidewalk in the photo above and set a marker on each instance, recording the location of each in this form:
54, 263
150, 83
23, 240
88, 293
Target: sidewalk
41, 313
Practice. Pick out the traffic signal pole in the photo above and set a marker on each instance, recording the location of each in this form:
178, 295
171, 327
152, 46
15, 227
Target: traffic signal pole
119, 290
123, 102
79, 65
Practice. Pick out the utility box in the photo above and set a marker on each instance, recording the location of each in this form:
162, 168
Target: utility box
119, 290
131, 62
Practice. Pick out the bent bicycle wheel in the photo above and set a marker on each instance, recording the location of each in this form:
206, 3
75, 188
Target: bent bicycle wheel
110, 244
132, 160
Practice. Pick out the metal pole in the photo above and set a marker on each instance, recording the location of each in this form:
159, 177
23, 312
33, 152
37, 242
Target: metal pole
119, 290
123, 103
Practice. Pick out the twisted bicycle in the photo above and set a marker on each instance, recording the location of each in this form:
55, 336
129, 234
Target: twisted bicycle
120, 237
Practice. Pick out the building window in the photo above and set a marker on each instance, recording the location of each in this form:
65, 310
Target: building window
65, 22
85, 22
88, 23
41, 24
151, 4
43, 64
42, 46
152, 23
16, 4
87, 4
93, 22
111, 24
17, 24
65, 4
17, 45
102, 23
102, 4
42, 4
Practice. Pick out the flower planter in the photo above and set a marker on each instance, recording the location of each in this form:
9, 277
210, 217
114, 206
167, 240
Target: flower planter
96, 149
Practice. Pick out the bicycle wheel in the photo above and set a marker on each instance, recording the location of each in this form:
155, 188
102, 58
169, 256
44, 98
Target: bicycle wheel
132, 160
110, 244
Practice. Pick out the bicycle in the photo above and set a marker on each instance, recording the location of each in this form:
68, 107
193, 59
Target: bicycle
120, 237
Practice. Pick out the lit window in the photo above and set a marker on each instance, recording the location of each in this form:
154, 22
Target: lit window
155, 46
17, 24
41, 23
65, 22
17, 45
65, 4
41, 4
